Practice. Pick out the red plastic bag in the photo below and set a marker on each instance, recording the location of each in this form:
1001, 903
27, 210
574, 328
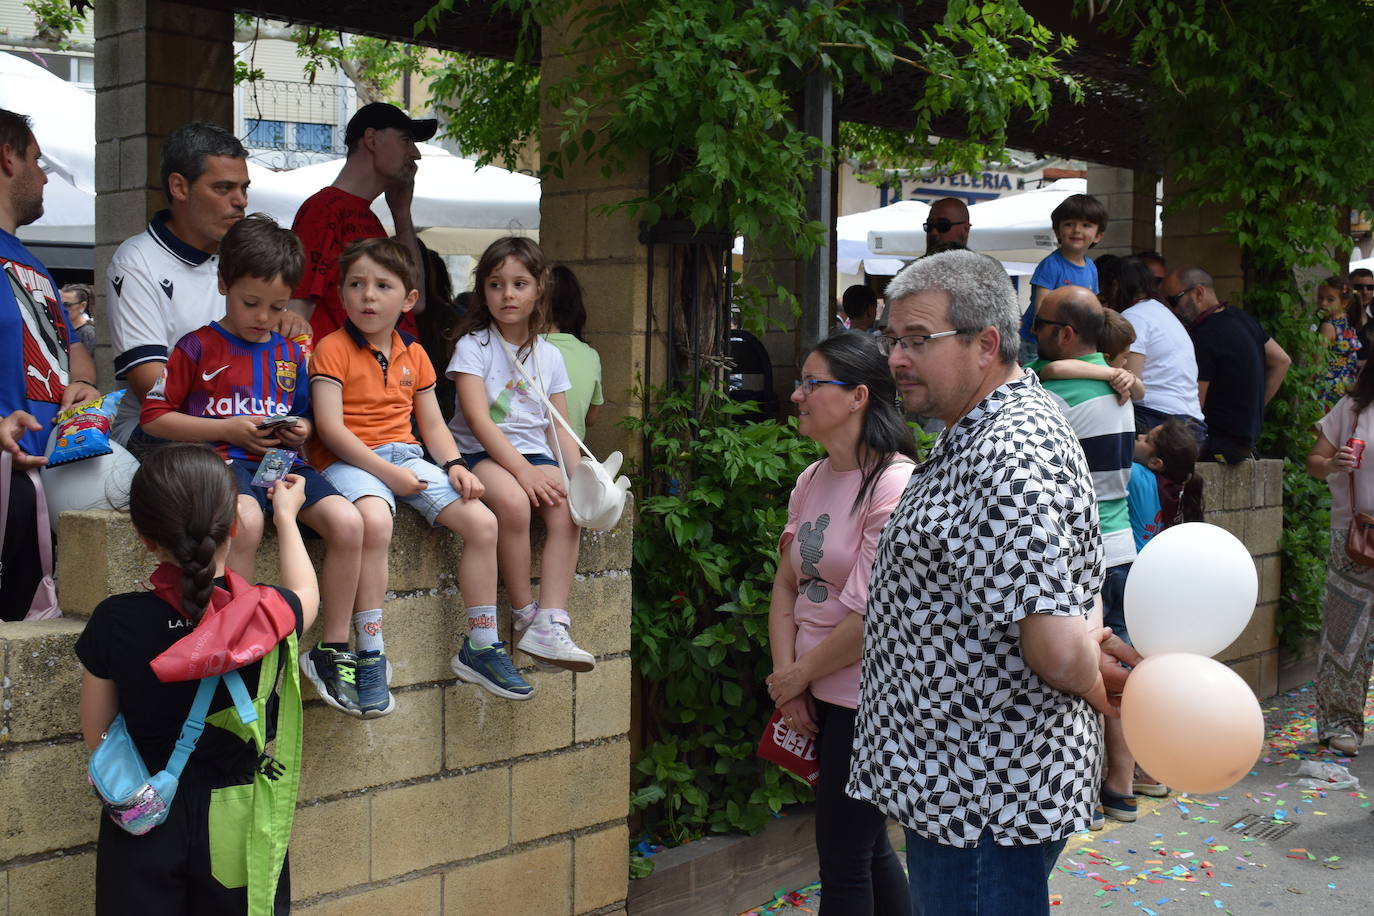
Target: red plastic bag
789, 749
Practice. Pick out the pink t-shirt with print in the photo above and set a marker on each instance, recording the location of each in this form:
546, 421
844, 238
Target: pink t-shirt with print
831, 551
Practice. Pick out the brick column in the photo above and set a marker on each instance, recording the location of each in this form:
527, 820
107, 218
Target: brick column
1246, 499
1130, 200
1192, 236
610, 262
157, 66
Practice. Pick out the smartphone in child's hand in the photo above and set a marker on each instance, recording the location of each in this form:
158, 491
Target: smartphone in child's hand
274, 422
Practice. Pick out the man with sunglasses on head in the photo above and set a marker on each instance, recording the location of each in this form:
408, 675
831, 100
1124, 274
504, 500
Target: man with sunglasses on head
947, 221
1239, 366
983, 649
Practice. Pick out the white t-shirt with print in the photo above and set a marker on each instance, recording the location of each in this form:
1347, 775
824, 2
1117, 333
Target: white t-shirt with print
519, 412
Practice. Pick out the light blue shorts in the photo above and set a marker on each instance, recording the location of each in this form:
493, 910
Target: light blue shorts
355, 483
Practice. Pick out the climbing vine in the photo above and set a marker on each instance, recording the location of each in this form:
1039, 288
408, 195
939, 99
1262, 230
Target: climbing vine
1271, 139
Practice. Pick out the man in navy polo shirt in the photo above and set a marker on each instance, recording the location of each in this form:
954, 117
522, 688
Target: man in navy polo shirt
162, 284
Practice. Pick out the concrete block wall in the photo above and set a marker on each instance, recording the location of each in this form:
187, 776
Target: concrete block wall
1129, 197
1192, 235
456, 803
1247, 500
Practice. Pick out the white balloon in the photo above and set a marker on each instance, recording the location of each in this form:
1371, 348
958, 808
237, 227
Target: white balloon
91, 483
1191, 589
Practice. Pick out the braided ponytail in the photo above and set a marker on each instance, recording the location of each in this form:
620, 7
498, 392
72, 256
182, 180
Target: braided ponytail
197, 576
183, 499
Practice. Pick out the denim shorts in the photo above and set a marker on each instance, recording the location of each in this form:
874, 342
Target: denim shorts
355, 483
317, 486
472, 459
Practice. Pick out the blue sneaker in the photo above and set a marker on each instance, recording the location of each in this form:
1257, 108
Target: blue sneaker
370, 677
491, 669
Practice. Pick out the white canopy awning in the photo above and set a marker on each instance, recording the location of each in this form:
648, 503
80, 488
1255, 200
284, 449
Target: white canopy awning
451, 193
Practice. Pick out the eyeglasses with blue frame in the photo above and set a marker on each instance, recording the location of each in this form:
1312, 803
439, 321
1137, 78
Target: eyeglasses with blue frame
809, 384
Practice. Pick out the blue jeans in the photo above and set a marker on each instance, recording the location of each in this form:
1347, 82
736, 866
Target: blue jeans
987, 880
1114, 600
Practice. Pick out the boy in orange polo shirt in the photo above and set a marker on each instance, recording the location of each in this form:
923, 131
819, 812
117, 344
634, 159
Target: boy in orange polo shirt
367, 382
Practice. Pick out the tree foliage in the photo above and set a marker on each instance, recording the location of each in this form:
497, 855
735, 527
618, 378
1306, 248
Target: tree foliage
1274, 136
707, 91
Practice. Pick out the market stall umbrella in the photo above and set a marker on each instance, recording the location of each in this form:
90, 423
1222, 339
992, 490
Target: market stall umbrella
63, 117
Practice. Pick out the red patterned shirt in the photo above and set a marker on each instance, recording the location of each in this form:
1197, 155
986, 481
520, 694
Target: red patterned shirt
214, 374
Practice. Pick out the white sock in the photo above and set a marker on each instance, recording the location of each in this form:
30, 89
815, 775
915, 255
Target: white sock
524, 616
482, 625
368, 626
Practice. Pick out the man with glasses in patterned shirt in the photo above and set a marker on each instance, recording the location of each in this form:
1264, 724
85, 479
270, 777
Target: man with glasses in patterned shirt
983, 652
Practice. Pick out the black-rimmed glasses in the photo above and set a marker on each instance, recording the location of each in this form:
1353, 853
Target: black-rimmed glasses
1037, 322
915, 343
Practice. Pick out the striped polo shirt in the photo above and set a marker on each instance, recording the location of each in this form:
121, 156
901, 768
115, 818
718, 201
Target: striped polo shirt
1106, 430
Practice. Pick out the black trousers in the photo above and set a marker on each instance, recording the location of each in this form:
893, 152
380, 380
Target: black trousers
22, 569
860, 874
166, 872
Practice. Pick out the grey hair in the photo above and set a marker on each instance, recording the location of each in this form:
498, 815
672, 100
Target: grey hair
980, 293
185, 150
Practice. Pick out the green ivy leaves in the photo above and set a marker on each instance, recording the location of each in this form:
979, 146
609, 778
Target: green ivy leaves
713, 504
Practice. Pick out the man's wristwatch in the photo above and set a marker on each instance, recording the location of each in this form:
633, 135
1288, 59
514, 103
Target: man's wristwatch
452, 463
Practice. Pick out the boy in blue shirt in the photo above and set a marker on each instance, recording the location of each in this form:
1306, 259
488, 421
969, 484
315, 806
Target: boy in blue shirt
1078, 225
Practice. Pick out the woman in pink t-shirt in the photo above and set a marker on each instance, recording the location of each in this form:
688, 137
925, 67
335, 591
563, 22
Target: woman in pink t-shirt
1347, 640
846, 401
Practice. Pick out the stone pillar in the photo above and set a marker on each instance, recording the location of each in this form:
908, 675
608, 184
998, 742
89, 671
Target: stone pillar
1193, 236
1246, 499
157, 65
610, 262
1130, 200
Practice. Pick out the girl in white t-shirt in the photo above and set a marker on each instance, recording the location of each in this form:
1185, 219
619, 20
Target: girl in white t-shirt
502, 427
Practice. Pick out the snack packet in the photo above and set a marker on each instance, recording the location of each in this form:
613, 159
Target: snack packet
83, 430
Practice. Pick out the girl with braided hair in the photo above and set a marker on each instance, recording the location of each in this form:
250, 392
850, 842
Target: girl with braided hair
222, 847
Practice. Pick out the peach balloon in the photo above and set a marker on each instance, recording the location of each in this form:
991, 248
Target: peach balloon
1191, 722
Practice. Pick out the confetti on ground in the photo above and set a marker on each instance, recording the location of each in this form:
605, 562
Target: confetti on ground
802, 900
1158, 880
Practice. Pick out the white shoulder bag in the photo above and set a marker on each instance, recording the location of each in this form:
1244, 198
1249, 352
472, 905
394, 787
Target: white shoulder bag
596, 495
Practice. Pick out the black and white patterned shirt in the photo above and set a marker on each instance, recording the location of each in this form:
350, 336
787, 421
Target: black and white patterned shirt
955, 733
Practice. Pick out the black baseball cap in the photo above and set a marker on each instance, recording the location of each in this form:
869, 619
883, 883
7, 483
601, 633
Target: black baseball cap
381, 115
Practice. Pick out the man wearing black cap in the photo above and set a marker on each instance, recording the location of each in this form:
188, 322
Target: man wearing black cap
381, 160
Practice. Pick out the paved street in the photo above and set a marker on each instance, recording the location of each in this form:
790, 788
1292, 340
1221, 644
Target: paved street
1300, 851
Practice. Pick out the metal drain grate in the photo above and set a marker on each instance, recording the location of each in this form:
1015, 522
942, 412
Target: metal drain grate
1260, 826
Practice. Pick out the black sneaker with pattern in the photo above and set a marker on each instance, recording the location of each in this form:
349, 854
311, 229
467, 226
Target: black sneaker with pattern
332, 673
